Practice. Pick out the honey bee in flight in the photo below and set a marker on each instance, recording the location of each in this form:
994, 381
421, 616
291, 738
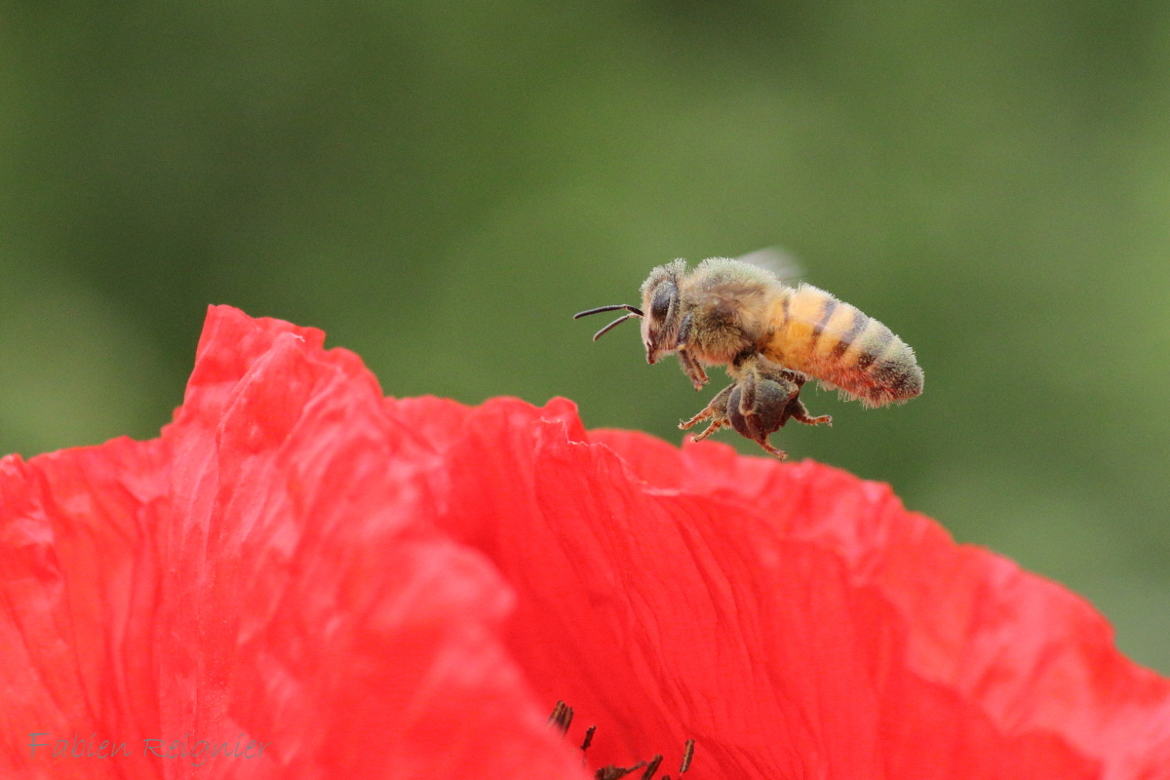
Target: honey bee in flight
772, 338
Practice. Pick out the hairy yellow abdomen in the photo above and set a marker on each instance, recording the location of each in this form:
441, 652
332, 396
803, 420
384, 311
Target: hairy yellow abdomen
839, 345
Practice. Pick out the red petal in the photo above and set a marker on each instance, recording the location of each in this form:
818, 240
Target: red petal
794, 620
404, 587
268, 571
76, 577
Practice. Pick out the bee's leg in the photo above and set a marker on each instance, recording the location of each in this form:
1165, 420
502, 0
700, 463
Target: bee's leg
716, 411
710, 429
706, 413
684, 329
692, 368
771, 450
690, 364
797, 411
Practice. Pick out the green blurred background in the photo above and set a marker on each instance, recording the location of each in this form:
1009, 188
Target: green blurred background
441, 185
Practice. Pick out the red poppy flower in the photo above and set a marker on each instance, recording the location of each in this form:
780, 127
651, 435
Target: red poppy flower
300, 578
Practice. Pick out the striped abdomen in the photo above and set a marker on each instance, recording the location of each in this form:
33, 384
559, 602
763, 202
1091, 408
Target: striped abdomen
836, 343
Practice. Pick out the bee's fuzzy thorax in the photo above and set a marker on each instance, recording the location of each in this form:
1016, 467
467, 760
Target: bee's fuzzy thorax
735, 271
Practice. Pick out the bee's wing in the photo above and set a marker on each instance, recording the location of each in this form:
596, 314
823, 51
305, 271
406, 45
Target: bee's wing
777, 261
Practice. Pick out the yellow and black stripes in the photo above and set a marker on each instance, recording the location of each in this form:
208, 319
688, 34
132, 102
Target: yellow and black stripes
836, 343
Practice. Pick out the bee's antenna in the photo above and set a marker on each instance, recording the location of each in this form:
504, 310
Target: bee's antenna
612, 325
636, 311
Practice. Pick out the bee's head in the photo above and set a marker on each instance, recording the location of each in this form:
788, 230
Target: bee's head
661, 311
660, 302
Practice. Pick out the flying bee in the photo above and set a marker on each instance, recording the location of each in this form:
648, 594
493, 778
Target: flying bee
772, 338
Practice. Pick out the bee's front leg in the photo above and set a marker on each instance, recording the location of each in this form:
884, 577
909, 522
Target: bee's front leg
692, 368
690, 364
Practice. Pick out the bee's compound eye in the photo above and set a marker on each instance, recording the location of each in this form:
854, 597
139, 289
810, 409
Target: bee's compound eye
660, 306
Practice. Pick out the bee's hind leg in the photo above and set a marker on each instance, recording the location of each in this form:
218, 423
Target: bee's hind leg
715, 411
797, 411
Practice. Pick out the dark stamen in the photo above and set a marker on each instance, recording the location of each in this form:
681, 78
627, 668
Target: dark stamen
561, 717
